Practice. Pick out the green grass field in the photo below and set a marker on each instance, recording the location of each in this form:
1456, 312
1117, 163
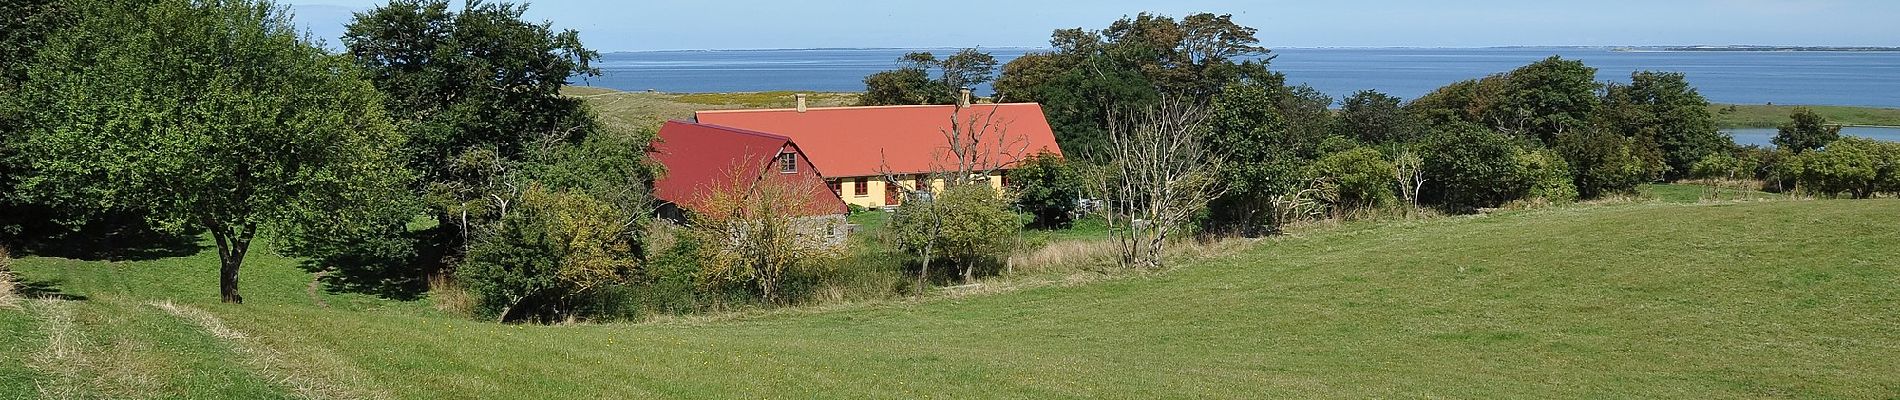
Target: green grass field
635, 110
1767, 116
1653, 299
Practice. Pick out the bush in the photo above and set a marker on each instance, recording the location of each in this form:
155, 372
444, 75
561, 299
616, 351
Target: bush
1549, 176
1469, 167
1047, 187
969, 226
1853, 166
760, 235
1362, 178
547, 257
1606, 163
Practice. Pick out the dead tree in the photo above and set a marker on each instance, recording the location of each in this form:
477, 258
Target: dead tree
1161, 173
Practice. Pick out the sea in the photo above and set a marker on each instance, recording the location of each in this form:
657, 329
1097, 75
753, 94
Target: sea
1848, 78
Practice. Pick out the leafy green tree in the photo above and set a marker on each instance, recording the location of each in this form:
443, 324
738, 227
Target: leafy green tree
237, 124
24, 28
1535, 101
1662, 108
544, 257
911, 83
904, 86
1048, 187
1545, 98
973, 227
1605, 162
1471, 167
476, 90
1265, 156
1806, 130
1128, 65
1374, 118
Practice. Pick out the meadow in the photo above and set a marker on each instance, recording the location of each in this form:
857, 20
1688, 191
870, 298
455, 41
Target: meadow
1786, 298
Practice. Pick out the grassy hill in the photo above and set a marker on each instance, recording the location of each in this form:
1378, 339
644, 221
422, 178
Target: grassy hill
649, 109
1754, 299
1769, 116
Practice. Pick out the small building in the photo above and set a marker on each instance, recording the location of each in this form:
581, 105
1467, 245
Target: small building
857, 148
701, 159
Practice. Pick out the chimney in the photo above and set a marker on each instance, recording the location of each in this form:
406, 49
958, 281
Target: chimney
801, 102
963, 98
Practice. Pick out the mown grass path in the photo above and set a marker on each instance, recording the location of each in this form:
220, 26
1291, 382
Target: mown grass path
1760, 299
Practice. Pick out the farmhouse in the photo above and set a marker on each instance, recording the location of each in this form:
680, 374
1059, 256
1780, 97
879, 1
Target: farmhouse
701, 159
860, 151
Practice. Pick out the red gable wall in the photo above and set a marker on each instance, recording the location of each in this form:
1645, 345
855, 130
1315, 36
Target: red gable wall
701, 157
860, 141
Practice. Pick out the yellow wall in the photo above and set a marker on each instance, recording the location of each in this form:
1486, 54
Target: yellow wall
874, 197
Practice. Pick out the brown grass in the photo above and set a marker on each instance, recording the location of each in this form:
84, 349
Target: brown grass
8, 299
447, 296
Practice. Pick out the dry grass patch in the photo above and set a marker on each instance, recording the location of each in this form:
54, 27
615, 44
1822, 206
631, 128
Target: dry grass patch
303, 380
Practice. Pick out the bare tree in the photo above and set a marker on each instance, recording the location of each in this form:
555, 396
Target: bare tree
1161, 173
976, 145
1409, 170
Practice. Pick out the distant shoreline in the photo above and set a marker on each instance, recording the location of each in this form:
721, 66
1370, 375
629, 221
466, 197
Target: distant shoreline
1872, 49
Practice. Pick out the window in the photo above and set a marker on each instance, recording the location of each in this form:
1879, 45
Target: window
837, 186
861, 187
788, 163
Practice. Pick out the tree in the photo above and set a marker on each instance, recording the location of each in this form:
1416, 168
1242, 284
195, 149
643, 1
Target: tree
24, 29
755, 231
911, 83
544, 256
239, 124
1662, 108
1246, 120
1857, 167
967, 225
1128, 65
976, 145
479, 87
1048, 187
1605, 162
1536, 101
1375, 118
1472, 167
1545, 98
1806, 130
1163, 173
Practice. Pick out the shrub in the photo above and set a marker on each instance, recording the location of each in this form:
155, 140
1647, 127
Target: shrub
1853, 166
547, 256
1549, 176
1362, 178
1606, 163
1469, 167
1806, 130
969, 226
760, 232
1047, 187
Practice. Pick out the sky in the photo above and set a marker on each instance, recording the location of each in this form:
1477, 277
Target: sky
609, 26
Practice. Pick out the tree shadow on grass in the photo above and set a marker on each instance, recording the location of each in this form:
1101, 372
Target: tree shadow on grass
33, 289
114, 238
396, 268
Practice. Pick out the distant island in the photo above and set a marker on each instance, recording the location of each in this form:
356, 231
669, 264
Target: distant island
1755, 48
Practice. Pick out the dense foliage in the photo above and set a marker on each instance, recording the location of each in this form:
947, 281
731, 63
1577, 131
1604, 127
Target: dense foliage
1048, 187
240, 124
547, 255
1854, 167
1806, 130
911, 82
968, 226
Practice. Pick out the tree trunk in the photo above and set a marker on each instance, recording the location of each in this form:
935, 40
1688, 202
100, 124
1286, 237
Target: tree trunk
232, 247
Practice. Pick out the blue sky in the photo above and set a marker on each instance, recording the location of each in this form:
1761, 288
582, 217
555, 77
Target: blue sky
711, 24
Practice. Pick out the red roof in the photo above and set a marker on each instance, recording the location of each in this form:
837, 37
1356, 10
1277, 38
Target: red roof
700, 158
866, 141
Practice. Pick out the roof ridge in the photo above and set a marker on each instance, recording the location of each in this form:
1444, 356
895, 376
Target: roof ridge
741, 131
838, 108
